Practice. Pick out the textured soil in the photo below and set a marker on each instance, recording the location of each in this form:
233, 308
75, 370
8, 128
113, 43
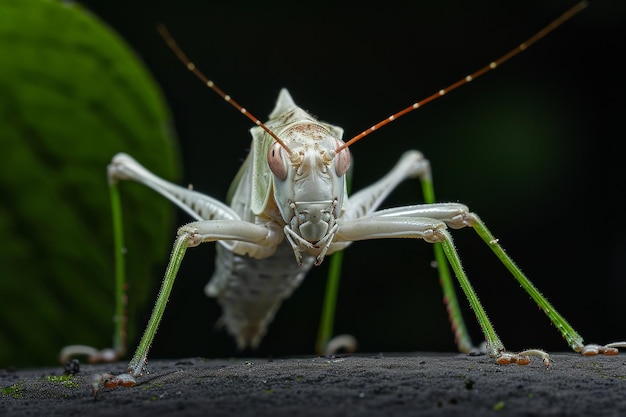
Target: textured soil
365, 385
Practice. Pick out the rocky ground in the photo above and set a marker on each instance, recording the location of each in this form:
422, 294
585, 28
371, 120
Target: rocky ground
364, 385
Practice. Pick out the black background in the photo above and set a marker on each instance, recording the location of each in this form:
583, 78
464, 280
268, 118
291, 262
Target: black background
531, 147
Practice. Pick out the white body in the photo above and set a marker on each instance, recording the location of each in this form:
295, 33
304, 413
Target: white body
302, 211
289, 199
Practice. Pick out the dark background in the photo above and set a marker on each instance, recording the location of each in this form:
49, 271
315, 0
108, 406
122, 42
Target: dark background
531, 147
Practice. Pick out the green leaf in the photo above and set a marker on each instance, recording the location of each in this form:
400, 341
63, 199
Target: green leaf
72, 94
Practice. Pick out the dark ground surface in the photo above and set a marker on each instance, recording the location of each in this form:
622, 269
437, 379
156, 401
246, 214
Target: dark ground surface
364, 385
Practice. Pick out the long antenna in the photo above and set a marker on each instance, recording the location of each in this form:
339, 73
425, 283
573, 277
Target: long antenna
192, 67
492, 65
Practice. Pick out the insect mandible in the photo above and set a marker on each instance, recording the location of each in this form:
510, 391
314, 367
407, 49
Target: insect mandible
288, 209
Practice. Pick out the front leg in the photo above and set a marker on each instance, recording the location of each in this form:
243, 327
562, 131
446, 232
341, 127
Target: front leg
242, 236
435, 231
199, 206
412, 164
421, 221
573, 338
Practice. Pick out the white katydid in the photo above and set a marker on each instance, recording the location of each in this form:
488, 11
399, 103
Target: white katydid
290, 199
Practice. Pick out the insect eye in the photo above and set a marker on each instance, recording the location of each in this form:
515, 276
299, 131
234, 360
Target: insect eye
342, 162
276, 162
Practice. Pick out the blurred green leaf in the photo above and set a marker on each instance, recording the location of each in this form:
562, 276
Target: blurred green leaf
72, 94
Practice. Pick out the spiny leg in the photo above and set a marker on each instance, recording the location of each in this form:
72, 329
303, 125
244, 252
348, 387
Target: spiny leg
197, 205
461, 335
120, 318
413, 165
458, 216
327, 319
411, 222
137, 363
325, 343
494, 344
190, 235
573, 338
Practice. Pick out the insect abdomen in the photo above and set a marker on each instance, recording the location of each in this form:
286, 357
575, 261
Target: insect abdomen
250, 290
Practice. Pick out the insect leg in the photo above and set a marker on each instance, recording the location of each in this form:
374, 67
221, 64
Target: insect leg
413, 165
199, 206
390, 223
137, 364
458, 216
189, 235
119, 318
573, 338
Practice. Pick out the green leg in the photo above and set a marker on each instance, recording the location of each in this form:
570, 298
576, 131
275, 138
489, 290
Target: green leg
137, 363
572, 337
461, 335
494, 344
325, 331
327, 320
135, 367
120, 318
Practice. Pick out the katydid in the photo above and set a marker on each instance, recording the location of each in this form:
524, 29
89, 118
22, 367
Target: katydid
288, 208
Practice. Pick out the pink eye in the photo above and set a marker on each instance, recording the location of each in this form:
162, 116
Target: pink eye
276, 162
342, 161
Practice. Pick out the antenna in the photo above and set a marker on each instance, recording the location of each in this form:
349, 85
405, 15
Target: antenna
192, 67
492, 65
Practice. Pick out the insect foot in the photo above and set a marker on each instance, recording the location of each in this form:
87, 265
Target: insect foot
611, 349
522, 358
107, 380
341, 343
